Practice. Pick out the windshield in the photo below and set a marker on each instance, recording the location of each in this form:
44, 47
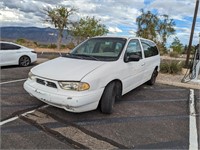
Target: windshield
102, 49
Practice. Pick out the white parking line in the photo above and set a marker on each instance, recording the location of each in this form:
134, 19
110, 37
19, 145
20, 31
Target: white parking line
8, 120
13, 81
24, 114
193, 128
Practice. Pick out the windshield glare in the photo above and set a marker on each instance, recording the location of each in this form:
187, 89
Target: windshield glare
101, 48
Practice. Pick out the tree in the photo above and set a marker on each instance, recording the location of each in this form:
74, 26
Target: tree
59, 17
165, 28
154, 27
88, 27
147, 24
177, 45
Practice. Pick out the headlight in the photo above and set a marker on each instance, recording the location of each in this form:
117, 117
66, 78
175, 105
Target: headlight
76, 86
31, 75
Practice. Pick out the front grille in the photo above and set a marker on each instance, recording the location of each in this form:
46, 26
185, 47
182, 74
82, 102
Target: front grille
46, 83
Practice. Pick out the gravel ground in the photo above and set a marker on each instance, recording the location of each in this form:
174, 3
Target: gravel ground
175, 80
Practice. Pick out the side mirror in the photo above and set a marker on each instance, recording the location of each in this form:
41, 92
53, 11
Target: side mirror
132, 57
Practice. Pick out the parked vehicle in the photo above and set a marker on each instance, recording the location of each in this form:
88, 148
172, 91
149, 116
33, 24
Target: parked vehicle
14, 54
95, 73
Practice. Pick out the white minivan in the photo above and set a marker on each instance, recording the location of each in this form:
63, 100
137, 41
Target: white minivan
95, 73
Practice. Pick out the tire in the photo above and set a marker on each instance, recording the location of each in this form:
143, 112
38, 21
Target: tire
153, 78
24, 61
108, 97
118, 89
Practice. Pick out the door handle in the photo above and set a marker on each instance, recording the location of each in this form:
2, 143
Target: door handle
143, 64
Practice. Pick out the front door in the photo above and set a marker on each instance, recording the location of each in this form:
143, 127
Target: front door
134, 69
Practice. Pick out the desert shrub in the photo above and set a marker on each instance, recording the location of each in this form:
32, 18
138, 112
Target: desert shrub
26, 42
171, 67
35, 43
63, 46
174, 54
43, 46
164, 67
70, 45
20, 41
52, 46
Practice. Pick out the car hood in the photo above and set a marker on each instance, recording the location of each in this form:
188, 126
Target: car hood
66, 69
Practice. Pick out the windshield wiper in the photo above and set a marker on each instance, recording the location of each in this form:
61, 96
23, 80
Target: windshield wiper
74, 55
90, 56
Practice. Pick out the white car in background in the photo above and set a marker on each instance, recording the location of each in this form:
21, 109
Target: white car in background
95, 73
14, 54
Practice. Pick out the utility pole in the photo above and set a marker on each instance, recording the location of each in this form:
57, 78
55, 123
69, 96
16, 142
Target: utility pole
192, 33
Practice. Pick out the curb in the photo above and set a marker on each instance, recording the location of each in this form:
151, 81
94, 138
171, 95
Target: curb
41, 60
179, 84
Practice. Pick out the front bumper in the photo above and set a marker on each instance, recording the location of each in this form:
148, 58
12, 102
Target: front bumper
69, 100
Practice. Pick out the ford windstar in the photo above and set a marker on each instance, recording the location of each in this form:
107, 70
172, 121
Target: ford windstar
95, 73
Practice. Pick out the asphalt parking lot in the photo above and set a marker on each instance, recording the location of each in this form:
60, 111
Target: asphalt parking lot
148, 117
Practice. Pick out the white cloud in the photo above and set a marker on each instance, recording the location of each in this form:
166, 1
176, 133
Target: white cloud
176, 9
114, 30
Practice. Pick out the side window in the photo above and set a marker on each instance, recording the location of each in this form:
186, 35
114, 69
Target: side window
6, 46
134, 48
154, 49
150, 48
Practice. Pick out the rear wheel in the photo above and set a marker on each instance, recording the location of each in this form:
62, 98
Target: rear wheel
111, 92
153, 78
24, 61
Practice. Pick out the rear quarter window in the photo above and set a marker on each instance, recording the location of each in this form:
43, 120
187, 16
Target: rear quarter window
150, 48
6, 46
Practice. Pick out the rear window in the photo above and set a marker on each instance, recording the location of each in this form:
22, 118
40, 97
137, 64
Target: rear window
6, 46
150, 48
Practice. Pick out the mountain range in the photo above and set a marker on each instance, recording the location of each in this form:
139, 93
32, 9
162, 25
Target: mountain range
40, 35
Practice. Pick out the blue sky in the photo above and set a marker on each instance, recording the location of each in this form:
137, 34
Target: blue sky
119, 16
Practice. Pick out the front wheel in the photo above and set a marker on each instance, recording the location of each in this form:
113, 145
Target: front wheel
110, 93
24, 61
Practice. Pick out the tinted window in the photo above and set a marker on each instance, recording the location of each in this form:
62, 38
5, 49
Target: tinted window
150, 48
134, 48
6, 46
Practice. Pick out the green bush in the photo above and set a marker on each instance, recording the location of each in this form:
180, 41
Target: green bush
171, 67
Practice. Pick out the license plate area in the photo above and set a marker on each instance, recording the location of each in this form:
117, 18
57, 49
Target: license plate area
43, 96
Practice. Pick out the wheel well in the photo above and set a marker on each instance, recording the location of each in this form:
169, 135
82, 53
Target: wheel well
25, 56
156, 68
116, 80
